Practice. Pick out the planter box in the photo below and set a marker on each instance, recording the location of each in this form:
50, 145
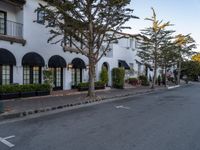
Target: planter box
42, 93
28, 94
83, 88
9, 96
86, 88
99, 87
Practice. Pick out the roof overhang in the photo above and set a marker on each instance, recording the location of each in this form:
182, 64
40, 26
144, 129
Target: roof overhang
17, 3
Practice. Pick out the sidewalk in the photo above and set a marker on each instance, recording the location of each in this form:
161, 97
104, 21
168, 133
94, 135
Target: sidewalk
59, 100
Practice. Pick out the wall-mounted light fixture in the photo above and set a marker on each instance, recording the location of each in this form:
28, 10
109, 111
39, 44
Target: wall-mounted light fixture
87, 67
69, 66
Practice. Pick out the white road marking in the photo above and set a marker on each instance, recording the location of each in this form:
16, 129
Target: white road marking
122, 107
173, 87
7, 143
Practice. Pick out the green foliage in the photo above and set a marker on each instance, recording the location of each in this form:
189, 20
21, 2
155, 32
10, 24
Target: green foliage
163, 79
24, 88
9, 88
85, 86
152, 41
104, 75
144, 80
89, 23
133, 81
191, 69
159, 80
118, 75
48, 77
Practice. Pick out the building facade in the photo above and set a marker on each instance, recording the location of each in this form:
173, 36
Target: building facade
25, 53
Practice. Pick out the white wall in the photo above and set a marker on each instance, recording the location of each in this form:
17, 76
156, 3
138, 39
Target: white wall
37, 35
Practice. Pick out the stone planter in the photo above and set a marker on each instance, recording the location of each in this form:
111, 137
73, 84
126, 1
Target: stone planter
9, 95
42, 93
28, 94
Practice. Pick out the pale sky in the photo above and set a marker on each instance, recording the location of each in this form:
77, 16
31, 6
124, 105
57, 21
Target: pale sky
184, 14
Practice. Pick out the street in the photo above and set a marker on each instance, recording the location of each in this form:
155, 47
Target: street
165, 120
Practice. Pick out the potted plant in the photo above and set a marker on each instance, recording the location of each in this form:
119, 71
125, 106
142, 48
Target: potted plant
48, 78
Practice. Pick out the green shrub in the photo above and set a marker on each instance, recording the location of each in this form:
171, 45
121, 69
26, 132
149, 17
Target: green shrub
42, 87
85, 86
144, 80
118, 77
27, 88
9, 89
24, 88
163, 79
133, 81
104, 75
159, 80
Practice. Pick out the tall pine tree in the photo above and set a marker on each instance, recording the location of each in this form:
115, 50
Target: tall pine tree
150, 46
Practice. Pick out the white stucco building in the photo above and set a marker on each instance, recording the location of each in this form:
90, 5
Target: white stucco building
24, 51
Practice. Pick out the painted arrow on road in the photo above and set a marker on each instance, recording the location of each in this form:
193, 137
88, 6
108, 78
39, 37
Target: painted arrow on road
122, 107
6, 142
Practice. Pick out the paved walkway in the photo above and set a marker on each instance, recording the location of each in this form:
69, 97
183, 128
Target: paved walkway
66, 98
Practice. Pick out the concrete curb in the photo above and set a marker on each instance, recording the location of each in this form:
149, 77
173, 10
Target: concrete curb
13, 115
98, 100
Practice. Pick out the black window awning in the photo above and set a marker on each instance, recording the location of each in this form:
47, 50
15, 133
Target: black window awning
6, 57
33, 59
78, 63
57, 61
124, 64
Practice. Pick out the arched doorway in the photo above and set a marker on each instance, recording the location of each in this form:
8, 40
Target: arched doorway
78, 66
57, 63
7, 61
106, 66
32, 68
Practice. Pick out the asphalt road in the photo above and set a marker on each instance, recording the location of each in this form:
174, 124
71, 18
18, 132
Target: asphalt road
160, 121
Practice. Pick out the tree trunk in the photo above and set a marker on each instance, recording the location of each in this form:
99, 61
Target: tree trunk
154, 76
91, 91
165, 76
179, 71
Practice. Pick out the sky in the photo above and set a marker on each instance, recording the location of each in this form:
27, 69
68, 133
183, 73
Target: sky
184, 14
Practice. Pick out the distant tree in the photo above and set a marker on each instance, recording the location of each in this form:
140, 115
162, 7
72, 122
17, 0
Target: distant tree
151, 43
191, 69
90, 26
185, 45
196, 57
168, 54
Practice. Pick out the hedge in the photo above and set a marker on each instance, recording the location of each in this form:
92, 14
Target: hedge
24, 88
144, 80
118, 75
85, 86
104, 75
